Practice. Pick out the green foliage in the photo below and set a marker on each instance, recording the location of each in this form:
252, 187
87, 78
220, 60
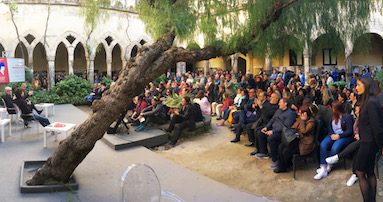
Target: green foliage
49, 96
175, 100
93, 13
28, 74
193, 45
107, 81
162, 15
13, 6
18, 84
236, 85
72, 89
237, 23
339, 83
73, 86
379, 76
159, 79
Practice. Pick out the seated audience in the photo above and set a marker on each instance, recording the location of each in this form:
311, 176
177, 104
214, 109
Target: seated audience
203, 102
339, 136
304, 127
184, 117
140, 105
154, 113
350, 149
271, 133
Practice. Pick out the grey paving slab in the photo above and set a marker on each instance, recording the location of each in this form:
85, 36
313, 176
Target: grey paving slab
99, 174
149, 138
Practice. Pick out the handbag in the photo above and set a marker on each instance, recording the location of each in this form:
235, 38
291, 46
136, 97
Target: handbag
287, 136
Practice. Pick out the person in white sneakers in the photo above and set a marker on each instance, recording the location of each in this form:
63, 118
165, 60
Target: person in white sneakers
339, 136
351, 148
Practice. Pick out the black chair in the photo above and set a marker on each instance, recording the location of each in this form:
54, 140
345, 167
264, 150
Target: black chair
314, 153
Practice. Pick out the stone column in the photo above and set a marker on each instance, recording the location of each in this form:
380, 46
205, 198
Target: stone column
70, 59
206, 68
109, 66
234, 62
268, 65
51, 71
124, 62
90, 62
348, 60
306, 61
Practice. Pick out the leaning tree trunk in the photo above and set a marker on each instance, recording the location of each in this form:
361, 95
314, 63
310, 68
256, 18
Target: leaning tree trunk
149, 63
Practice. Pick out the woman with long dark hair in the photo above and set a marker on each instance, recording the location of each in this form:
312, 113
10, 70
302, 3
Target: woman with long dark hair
339, 136
371, 136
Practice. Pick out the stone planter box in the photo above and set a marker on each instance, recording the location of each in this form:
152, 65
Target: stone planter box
29, 168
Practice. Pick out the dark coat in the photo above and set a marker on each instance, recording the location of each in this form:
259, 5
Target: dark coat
21, 103
155, 110
346, 124
8, 101
306, 131
265, 114
280, 119
371, 122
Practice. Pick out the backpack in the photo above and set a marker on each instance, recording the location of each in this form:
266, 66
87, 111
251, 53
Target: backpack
197, 113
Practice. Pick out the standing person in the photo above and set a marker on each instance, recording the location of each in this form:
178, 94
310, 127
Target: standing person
371, 136
301, 77
286, 76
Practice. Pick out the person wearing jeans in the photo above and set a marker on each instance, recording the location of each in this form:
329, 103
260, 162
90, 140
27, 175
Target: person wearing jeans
25, 110
339, 136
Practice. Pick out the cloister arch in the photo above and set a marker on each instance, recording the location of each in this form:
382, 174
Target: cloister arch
100, 60
372, 56
328, 52
79, 57
40, 62
61, 59
116, 60
19, 50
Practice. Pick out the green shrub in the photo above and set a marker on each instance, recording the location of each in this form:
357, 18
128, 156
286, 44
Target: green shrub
159, 79
73, 86
28, 75
338, 83
48, 96
107, 81
379, 76
18, 84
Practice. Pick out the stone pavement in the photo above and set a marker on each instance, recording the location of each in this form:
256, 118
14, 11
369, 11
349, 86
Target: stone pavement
100, 172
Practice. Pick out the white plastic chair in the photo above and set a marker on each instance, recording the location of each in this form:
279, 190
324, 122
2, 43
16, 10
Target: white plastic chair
140, 183
21, 121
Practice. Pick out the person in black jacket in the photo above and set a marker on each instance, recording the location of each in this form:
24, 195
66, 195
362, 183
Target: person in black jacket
272, 132
25, 109
30, 104
154, 113
371, 136
7, 97
264, 115
183, 116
